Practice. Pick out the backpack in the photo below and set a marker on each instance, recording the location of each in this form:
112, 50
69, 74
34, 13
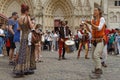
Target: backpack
36, 37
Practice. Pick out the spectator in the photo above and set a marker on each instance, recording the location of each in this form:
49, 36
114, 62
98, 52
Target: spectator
2, 35
118, 42
55, 41
11, 24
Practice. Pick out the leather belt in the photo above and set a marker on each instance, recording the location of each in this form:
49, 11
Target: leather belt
97, 40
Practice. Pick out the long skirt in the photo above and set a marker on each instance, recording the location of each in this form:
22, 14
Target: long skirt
32, 57
24, 58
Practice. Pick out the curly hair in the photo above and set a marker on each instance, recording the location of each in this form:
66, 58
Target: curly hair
24, 8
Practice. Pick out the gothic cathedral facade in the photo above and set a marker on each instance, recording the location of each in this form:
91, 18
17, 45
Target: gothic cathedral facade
49, 12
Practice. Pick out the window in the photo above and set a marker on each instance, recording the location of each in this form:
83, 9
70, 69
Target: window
119, 3
116, 3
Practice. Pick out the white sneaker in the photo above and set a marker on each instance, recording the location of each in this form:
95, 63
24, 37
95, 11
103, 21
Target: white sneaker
1, 55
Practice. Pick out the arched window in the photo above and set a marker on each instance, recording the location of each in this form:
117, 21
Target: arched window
115, 18
118, 16
111, 16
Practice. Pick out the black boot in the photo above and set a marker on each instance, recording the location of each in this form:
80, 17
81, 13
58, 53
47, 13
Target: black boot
103, 64
18, 74
29, 72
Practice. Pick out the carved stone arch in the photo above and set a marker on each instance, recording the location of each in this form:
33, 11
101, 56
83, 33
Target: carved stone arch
59, 7
86, 8
111, 14
10, 9
6, 3
65, 3
52, 7
111, 19
59, 13
115, 18
78, 7
118, 16
38, 8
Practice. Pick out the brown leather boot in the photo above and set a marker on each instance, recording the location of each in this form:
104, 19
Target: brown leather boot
97, 71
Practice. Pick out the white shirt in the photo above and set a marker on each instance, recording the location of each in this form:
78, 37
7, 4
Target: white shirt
80, 35
55, 37
1, 31
90, 35
43, 38
49, 37
65, 31
29, 38
101, 24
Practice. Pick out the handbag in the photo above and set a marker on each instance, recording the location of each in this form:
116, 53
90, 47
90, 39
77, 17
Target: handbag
36, 37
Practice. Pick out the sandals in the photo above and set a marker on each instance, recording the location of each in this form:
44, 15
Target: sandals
37, 61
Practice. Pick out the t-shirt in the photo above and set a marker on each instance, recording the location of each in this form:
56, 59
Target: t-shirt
1, 31
112, 38
55, 37
29, 38
17, 32
11, 22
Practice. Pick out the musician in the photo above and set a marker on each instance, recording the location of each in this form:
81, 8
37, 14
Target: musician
98, 28
64, 33
84, 40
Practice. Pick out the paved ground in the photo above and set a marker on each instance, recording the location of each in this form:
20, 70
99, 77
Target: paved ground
70, 69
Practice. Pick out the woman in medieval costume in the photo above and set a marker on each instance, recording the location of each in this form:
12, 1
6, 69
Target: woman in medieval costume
25, 25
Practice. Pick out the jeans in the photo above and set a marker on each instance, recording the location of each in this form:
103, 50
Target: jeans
1, 44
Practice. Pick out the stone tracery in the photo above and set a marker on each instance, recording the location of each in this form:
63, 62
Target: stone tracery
6, 3
46, 11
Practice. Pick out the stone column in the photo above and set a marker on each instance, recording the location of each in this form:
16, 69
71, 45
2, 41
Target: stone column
105, 9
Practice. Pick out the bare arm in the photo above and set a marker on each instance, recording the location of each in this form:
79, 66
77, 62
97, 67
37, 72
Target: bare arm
11, 29
30, 23
20, 21
3, 35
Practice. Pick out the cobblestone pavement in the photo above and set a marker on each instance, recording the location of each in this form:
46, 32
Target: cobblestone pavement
70, 69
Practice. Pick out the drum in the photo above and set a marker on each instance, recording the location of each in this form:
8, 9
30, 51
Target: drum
69, 46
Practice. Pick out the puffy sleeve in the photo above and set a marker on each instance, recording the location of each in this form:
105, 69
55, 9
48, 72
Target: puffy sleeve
102, 22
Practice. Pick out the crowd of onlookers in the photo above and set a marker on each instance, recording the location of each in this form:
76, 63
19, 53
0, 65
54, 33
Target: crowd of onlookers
114, 42
49, 40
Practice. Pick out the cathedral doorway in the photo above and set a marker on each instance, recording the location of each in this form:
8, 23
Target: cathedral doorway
56, 11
